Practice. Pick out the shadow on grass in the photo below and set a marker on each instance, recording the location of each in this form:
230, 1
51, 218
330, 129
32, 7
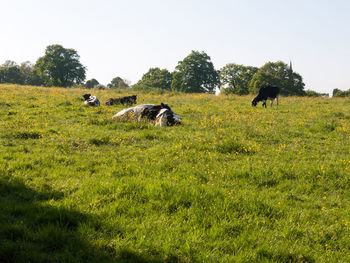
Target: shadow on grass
32, 232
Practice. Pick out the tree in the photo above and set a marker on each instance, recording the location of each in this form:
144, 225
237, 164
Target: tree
155, 78
9, 63
118, 83
91, 83
11, 74
123, 84
312, 93
195, 73
235, 78
278, 74
115, 83
100, 86
60, 67
26, 69
340, 93
35, 78
335, 91
177, 81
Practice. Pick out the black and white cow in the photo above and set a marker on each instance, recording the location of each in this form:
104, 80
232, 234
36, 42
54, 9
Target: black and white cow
161, 115
123, 100
266, 93
91, 100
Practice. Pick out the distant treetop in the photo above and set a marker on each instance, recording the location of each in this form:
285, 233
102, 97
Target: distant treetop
60, 67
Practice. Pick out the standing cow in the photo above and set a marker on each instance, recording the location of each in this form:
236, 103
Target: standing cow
266, 93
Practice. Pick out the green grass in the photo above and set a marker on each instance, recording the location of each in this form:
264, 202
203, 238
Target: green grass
232, 184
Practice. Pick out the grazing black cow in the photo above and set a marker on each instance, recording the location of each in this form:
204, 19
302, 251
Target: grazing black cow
265, 93
161, 115
123, 100
91, 100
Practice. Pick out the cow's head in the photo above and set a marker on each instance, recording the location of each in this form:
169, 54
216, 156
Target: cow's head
86, 96
254, 102
166, 117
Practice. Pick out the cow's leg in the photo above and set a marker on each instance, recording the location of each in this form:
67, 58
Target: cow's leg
277, 100
264, 103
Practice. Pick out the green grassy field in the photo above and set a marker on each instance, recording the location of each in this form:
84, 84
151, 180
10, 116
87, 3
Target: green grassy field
232, 184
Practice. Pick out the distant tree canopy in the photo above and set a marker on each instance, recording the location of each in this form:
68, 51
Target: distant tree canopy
9, 63
311, 93
235, 79
118, 83
155, 78
26, 69
196, 73
60, 67
11, 74
91, 83
177, 81
115, 82
123, 84
340, 93
278, 74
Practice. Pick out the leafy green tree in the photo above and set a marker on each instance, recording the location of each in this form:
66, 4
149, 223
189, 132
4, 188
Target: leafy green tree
195, 73
11, 74
335, 91
155, 78
177, 81
91, 83
123, 84
60, 67
114, 83
340, 93
35, 78
26, 69
235, 78
118, 83
27, 73
100, 87
312, 93
278, 74
9, 63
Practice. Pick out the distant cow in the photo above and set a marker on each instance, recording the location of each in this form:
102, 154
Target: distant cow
123, 100
265, 93
91, 100
161, 115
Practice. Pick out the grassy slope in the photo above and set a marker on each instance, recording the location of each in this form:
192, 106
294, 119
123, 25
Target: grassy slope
233, 183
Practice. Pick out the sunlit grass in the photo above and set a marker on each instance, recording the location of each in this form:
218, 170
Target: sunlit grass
232, 184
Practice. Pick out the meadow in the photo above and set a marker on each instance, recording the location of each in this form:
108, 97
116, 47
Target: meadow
233, 183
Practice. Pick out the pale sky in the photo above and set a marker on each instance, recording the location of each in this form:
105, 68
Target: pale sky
126, 38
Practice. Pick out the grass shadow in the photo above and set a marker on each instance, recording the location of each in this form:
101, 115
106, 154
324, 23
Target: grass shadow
33, 232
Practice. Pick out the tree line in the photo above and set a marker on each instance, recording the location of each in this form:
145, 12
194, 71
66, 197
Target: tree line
194, 74
340, 93
58, 67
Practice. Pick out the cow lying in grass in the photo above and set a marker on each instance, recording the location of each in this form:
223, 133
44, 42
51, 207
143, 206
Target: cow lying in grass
160, 115
91, 100
123, 100
265, 93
